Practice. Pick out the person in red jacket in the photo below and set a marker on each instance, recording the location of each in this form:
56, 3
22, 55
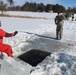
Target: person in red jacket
5, 47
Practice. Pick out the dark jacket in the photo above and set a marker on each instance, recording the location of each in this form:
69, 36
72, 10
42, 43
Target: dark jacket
59, 20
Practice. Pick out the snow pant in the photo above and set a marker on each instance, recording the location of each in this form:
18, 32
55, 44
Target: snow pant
6, 48
59, 31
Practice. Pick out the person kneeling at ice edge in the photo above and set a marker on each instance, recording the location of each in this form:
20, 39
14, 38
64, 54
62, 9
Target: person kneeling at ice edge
5, 47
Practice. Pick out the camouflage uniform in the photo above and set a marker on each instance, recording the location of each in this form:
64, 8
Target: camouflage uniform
59, 21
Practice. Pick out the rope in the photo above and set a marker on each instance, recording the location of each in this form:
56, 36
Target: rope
73, 28
66, 25
23, 41
34, 34
30, 33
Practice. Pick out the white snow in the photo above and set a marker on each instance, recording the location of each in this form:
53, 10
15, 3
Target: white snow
32, 14
62, 61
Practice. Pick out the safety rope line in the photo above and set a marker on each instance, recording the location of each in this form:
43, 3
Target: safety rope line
33, 34
36, 34
23, 41
73, 28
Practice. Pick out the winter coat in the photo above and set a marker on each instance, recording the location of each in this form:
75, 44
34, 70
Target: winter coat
5, 47
4, 34
59, 20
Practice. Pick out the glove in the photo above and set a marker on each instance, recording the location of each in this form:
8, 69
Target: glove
15, 33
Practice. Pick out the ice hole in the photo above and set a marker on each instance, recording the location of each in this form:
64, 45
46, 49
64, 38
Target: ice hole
34, 56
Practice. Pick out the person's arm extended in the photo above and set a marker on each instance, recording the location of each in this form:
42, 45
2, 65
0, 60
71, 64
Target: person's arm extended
9, 34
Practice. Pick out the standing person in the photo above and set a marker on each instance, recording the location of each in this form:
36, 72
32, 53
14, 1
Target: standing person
72, 16
59, 21
5, 47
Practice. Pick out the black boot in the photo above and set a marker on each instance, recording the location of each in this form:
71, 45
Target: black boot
60, 37
57, 37
1, 55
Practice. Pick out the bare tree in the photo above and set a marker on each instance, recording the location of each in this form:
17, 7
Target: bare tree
11, 2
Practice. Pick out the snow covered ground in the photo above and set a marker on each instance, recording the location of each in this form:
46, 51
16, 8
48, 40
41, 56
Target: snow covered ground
39, 34
32, 14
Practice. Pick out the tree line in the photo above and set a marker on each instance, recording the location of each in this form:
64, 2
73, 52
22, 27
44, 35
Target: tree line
34, 7
41, 7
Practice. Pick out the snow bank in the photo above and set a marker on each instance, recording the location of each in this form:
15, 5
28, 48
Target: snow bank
13, 67
56, 64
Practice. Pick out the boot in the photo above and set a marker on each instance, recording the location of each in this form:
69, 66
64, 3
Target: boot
1, 55
57, 37
60, 37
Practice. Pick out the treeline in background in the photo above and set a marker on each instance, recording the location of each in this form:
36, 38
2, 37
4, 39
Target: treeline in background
35, 7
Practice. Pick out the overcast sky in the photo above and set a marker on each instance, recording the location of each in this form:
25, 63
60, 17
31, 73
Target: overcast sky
65, 3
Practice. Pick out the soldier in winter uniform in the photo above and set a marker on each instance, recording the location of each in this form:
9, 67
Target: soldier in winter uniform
59, 21
5, 47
